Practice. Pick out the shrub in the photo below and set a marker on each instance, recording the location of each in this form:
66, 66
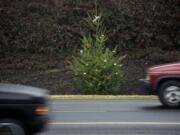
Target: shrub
97, 70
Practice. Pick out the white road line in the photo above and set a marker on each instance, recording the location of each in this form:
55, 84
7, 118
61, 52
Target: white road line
114, 123
78, 111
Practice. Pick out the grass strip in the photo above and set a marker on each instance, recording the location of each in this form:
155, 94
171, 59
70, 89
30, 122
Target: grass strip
102, 97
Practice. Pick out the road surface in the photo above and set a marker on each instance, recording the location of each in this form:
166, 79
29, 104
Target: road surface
112, 117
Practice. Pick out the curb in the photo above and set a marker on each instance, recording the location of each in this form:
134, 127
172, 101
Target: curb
102, 97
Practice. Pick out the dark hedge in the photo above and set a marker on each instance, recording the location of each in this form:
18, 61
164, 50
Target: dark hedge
56, 25
38, 37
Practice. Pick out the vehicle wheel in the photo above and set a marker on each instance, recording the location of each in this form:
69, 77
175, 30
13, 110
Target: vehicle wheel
169, 93
11, 127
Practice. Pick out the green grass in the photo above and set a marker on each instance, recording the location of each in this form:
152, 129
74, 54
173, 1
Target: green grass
102, 97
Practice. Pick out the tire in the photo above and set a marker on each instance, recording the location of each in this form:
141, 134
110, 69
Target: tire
169, 93
11, 127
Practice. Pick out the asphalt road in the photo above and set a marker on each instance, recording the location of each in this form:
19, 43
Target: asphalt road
112, 117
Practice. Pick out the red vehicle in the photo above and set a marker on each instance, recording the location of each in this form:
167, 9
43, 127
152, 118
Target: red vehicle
164, 81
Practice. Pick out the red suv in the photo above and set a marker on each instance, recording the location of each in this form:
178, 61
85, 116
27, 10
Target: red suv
164, 80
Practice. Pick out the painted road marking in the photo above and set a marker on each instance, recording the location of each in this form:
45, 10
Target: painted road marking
103, 111
114, 123
79, 111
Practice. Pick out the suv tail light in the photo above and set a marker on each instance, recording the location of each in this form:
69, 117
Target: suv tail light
41, 110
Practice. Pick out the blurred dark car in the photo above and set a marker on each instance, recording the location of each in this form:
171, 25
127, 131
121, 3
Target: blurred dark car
23, 109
